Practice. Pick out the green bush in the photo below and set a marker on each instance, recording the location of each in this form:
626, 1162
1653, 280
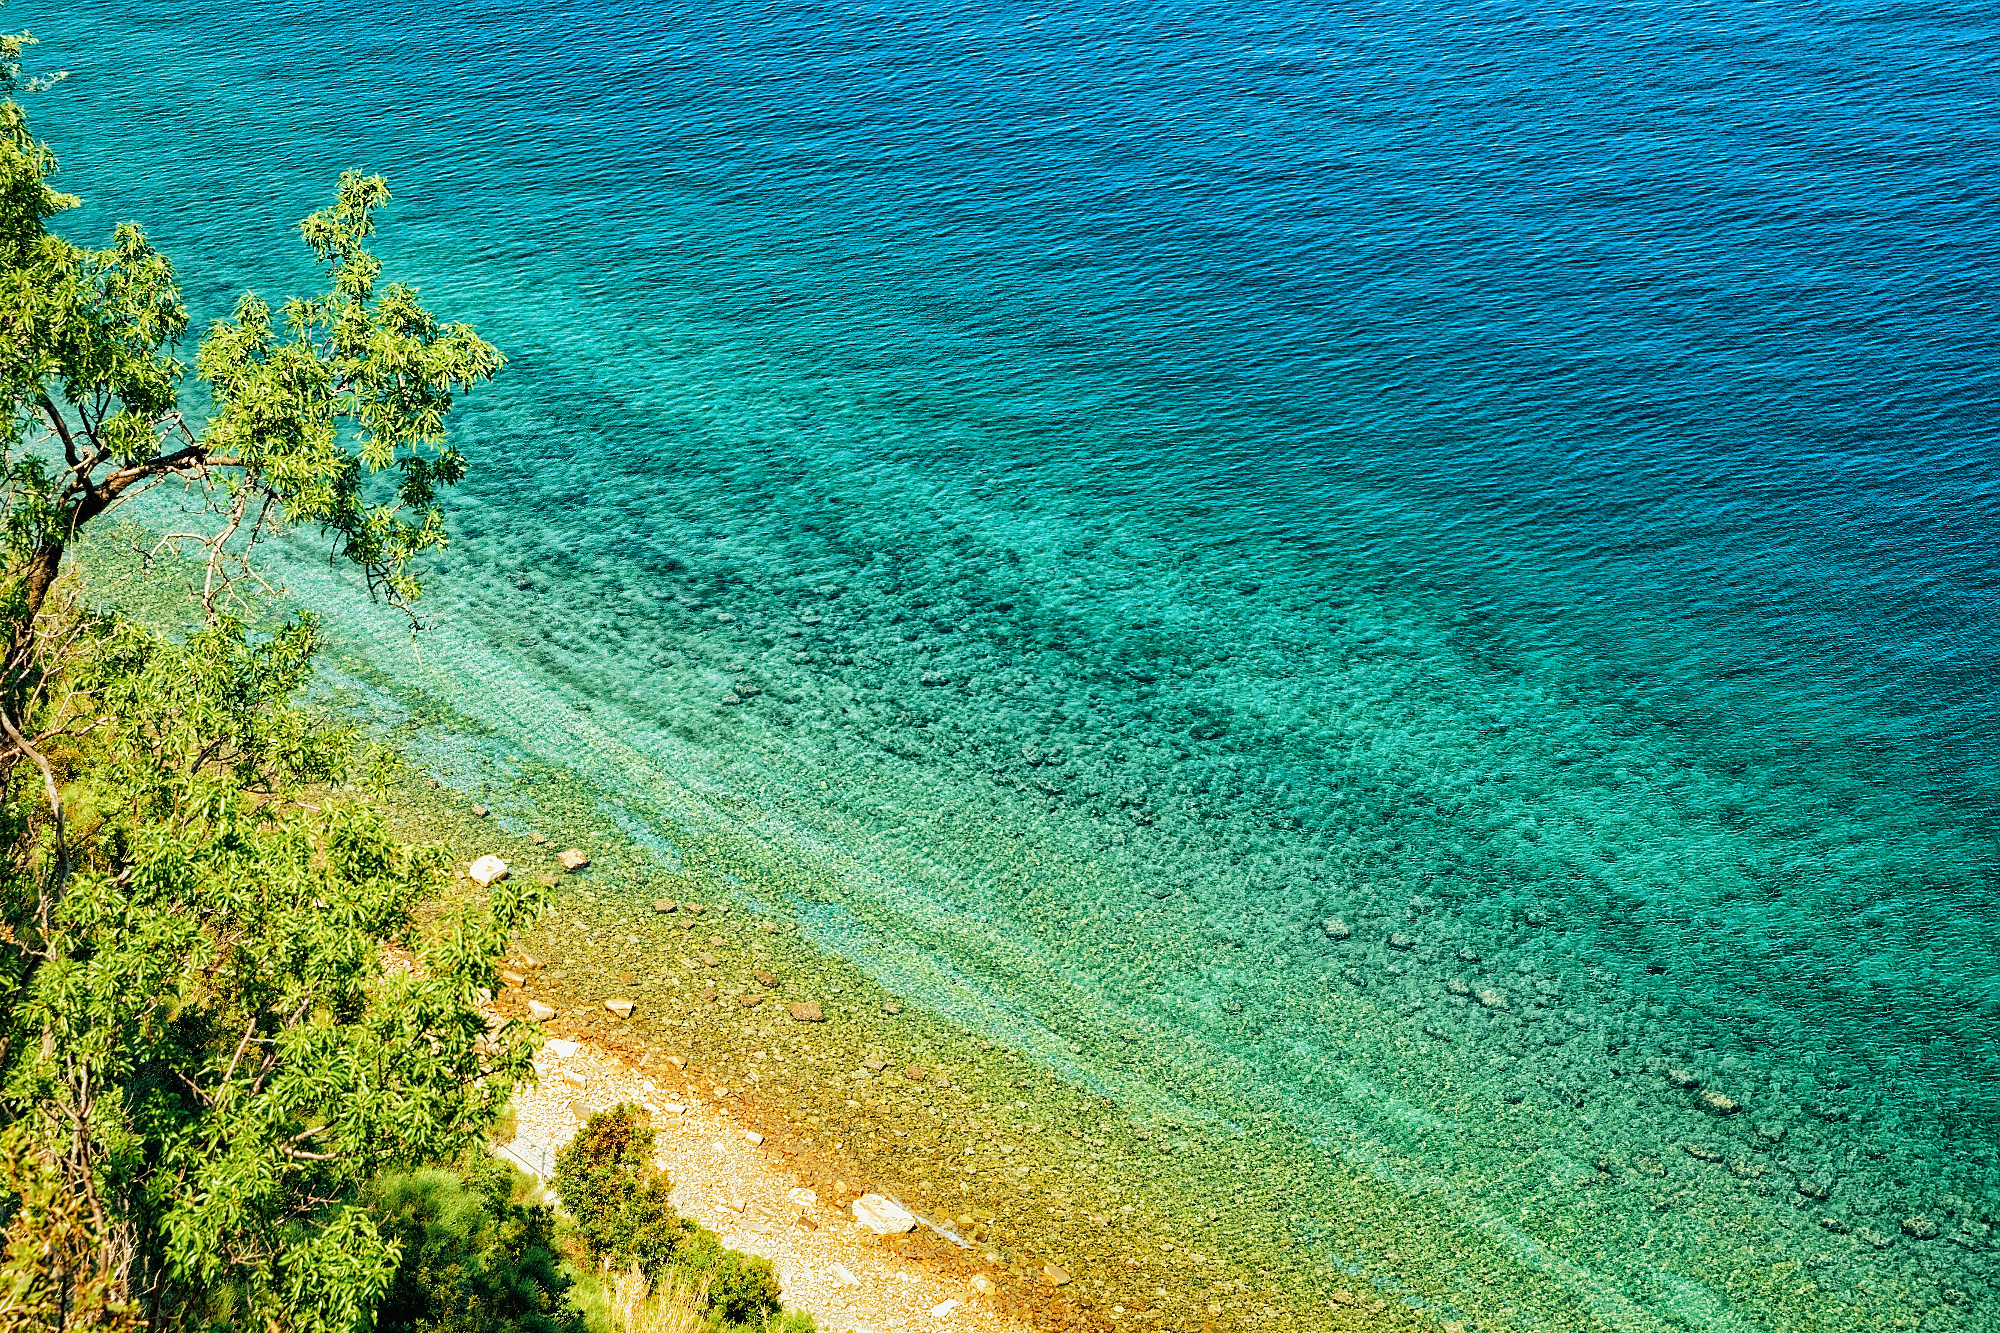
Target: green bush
618, 1198
474, 1258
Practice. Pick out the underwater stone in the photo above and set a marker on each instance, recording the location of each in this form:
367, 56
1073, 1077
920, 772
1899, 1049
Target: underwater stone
1680, 1078
664, 905
765, 979
539, 839
1055, 1275
1467, 956
806, 1011
1335, 928
1719, 1103
1401, 941
1870, 1236
480, 812
573, 860
1920, 1227
1457, 987
1492, 999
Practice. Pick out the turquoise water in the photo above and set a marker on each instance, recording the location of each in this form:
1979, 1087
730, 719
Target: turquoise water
1517, 481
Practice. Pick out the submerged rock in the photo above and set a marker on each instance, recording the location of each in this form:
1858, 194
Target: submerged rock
1492, 999
573, 860
1335, 928
1718, 1103
883, 1216
1920, 1227
806, 1011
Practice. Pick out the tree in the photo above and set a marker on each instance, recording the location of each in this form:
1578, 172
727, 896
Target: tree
220, 1013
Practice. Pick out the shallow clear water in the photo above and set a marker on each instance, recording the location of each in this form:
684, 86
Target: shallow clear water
1518, 479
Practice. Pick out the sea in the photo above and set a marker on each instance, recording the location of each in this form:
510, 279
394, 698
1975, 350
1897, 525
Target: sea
1442, 557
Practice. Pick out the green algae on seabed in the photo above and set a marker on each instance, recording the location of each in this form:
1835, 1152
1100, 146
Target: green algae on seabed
1291, 1228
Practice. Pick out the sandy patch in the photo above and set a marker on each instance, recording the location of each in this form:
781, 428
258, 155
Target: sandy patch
847, 1278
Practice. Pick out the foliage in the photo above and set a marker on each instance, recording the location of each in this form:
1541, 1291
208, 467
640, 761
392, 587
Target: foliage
618, 1196
220, 1015
198, 1022
473, 1257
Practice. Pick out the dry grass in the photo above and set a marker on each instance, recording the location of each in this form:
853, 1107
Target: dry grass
676, 1308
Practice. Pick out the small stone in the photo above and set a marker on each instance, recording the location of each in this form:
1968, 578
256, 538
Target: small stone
621, 1007
574, 1079
1701, 1153
882, 1216
1718, 1103
679, 1062
540, 1012
1492, 999
664, 905
1401, 941
1335, 928
943, 1309
806, 1011
1814, 1189
752, 1137
560, 1049
1457, 987
845, 1278
730, 700
539, 839
710, 960
1353, 977
934, 678
749, 1001
480, 812
1467, 956
1871, 1237
913, 1071
892, 1008
1920, 1228
487, 870
1055, 1275
1680, 1078
693, 909
573, 860
514, 979
706, 995
982, 1283
673, 1108
765, 979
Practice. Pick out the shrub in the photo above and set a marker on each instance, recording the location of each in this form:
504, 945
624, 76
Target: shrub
618, 1197
473, 1258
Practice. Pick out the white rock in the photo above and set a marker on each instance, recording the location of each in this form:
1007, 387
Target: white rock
571, 1077
881, 1216
674, 1108
540, 1012
752, 1136
621, 1007
561, 1049
486, 870
847, 1279
944, 1308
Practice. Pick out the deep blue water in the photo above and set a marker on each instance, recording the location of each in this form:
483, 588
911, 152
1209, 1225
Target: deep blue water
1521, 475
